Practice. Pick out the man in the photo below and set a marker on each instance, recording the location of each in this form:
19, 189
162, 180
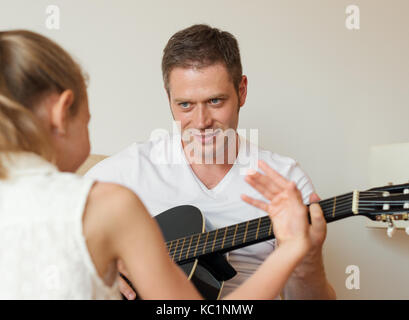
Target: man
203, 165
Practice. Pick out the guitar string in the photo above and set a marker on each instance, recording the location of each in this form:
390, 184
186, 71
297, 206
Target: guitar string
252, 232
219, 241
264, 228
239, 240
339, 206
242, 224
386, 201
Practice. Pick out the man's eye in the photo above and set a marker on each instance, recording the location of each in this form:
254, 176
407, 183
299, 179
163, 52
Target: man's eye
184, 105
215, 101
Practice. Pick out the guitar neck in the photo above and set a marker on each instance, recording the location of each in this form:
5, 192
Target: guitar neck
250, 232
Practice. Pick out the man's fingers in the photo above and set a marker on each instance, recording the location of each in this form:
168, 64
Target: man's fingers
125, 289
318, 223
317, 216
314, 197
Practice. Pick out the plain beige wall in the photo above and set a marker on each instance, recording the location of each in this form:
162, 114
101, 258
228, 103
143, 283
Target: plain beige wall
317, 92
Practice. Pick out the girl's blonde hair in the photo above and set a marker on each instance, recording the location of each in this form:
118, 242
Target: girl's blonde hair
31, 67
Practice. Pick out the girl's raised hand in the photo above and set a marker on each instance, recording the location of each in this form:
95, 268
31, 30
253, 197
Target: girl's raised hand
285, 206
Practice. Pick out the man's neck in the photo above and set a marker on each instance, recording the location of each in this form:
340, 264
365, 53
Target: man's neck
210, 174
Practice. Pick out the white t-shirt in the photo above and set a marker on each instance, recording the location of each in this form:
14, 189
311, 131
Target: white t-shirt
158, 172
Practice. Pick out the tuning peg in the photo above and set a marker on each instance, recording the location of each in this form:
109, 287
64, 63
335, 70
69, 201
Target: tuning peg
407, 230
390, 183
405, 191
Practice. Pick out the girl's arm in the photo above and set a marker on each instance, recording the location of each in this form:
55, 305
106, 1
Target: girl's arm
118, 226
126, 231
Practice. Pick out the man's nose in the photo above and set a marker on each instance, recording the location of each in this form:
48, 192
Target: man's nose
202, 117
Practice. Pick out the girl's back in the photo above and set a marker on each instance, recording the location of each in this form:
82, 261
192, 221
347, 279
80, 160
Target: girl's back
42, 247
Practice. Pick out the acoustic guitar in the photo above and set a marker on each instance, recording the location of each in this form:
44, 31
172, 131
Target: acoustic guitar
200, 253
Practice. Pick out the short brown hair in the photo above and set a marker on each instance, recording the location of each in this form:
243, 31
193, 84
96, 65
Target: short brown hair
200, 46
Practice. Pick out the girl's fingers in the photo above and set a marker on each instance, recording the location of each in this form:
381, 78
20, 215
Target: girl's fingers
121, 268
262, 184
257, 203
265, 192
275, 177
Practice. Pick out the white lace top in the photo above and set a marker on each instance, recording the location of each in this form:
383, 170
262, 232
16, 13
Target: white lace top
43, 253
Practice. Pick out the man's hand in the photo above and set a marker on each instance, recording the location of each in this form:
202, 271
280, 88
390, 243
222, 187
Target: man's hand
317, 234
124, 287
309, 280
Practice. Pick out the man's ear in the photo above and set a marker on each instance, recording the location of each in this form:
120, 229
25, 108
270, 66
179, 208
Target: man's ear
242, 90
60, 112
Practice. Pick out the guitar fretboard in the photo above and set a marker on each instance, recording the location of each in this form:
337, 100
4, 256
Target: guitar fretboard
246, 233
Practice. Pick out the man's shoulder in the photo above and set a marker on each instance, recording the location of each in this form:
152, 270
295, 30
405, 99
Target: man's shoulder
144, 150
290, 169
281, 163
125, 159
276, 159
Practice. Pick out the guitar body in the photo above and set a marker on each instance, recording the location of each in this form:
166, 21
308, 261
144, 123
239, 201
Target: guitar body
207, 273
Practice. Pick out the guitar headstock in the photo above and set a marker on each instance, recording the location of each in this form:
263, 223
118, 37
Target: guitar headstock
389, 204
393, 189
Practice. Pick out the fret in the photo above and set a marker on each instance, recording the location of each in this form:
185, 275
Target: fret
176, 247
245, 232
333, 207
241, 230
224, 237
235, 232
181, 250
253, 230
190, 243
198, 240
258, 227
265, 226
170, 248
230, 234
204, 247
214, 240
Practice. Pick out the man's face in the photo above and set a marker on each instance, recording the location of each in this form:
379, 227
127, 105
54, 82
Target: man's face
206, 104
